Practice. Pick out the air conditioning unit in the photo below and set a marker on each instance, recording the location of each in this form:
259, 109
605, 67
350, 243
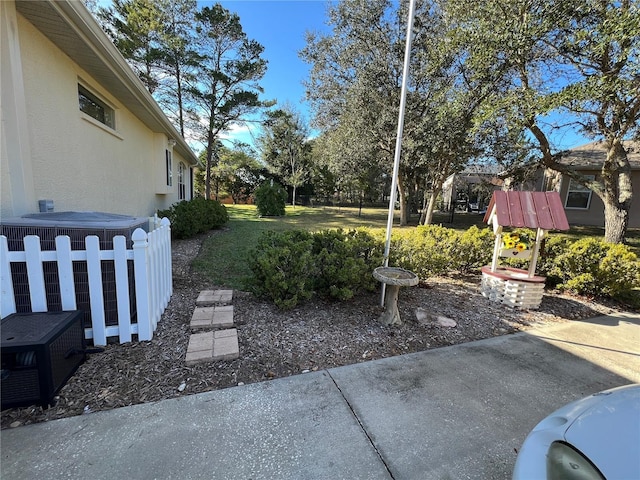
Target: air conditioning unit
76, 225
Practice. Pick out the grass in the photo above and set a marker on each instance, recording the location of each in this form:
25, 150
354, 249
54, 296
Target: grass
223, 258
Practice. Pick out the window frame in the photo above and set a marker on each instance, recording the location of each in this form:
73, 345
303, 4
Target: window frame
168, 156
182, 190
107, 118
577, 188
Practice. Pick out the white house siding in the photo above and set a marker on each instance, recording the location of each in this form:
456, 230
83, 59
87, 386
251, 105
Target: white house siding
77, 162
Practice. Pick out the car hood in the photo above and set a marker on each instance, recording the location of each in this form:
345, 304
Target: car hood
615, 449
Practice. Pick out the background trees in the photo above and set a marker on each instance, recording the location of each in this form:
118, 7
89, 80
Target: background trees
284, 146
491, 82
199, 65
575, 60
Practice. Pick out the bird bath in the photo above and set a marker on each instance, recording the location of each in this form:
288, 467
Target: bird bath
394, 278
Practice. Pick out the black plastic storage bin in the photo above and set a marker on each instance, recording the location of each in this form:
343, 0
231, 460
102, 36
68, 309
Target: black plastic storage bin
40, 352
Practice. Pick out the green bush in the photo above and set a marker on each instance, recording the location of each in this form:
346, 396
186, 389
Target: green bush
426, 250
431, 250
553, 246
474, 249
344, 262
283, 267
270, 199
292, 266
591, 266
188, 218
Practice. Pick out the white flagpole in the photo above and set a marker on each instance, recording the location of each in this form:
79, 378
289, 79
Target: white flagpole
396, 160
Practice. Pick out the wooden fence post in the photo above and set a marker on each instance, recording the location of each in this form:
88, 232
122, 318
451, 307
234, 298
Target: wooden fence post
8, 301
35, 272
141, 272
96, 297
122, 288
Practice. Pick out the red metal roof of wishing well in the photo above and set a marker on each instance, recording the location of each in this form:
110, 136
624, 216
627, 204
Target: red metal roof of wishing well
528, 209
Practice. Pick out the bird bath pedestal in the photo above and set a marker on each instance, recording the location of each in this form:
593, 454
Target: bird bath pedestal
394, 278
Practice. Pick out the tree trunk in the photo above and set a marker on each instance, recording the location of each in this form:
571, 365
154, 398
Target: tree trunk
402, 198
179, 99
207, 173
616, 221
294, 197
431, 206
618, 193
428, 216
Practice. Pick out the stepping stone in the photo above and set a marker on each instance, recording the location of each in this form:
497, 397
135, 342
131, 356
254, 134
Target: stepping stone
219, 316
210, 346
225, 344
208, 298
200, 348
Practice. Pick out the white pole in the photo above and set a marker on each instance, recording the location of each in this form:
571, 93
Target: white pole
396, 160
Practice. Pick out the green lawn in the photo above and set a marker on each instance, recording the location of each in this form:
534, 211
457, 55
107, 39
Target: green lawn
223, 256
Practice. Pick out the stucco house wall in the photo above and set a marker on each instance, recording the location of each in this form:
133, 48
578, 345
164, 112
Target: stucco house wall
66, 155
587, 160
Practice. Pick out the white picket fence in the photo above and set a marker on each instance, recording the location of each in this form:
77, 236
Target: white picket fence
151, 256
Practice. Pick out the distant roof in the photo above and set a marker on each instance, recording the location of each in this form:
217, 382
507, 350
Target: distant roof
527, 209
594, 154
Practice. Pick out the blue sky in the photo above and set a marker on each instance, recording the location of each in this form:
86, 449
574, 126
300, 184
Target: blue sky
280, 27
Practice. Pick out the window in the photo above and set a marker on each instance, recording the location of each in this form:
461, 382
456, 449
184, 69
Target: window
96, 108
169, 170
578, 196
182, 191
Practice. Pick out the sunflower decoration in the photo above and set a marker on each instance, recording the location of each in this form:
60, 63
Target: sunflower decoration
515, 241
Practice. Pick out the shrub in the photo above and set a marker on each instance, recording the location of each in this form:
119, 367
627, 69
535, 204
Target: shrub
426, 250
292, 266
591, 266
432, 250
474, 249
283, 267
344, 262
553, 246
270, 199
188, 218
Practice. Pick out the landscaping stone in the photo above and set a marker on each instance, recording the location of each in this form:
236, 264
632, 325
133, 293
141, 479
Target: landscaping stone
220, 316
225, 344
208, 298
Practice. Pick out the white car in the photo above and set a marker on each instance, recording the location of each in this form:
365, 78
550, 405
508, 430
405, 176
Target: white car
597, 437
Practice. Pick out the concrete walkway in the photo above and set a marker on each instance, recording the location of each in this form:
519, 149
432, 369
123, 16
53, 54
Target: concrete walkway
459, 412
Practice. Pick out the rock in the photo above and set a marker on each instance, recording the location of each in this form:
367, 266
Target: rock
425, 318
15, 424
446, 322
182, 386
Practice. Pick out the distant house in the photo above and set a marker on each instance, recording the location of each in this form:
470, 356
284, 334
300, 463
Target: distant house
581, 205
78, 127
472, 188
